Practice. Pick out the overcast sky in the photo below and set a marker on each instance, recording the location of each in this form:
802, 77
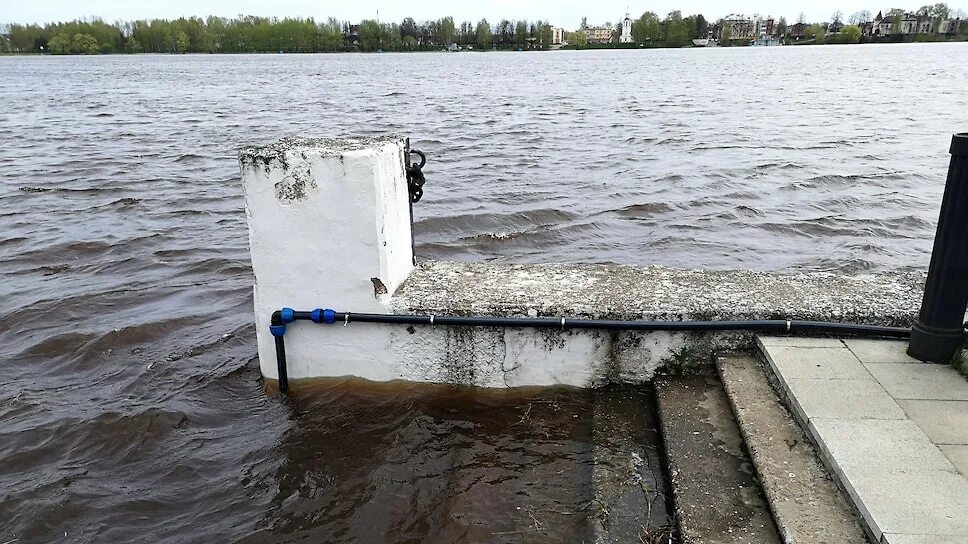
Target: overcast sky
566, 13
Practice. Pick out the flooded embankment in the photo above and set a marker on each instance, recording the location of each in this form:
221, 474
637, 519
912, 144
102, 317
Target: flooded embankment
131, 409
406, 462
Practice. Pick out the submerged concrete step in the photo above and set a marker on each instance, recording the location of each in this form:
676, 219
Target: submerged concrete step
807, 505
717, 498
630, 504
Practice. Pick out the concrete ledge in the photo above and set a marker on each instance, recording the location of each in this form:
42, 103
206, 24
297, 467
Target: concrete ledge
654, 292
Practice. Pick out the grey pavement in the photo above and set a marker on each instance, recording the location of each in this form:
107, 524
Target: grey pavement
892, 430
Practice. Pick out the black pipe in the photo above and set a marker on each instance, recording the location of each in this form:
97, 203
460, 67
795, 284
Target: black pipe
939, 331
760, 325
277, 334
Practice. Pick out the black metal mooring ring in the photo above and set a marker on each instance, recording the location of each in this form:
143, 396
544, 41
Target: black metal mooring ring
423, 158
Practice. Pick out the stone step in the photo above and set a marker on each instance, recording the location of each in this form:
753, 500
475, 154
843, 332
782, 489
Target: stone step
807, 505
717, 499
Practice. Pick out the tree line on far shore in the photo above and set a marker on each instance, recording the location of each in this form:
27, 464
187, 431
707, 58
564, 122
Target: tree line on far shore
250, 34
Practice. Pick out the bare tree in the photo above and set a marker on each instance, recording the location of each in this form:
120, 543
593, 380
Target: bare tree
837, 16
860, 17
802, 18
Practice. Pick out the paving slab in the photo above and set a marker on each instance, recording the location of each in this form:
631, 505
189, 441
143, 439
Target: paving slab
881, 445
716, 496
880, 351
807, 505
921, 381
916, 502
882, 438
799, 341
958, 455
944, 421
895, 538
836, 363
848, 399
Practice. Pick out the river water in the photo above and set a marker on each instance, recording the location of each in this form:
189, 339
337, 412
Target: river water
131, 407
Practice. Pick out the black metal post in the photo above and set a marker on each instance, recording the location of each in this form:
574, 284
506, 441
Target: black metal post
939, 331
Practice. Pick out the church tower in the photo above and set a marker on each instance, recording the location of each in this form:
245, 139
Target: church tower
626, 36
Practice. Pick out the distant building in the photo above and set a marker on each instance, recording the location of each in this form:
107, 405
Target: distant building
626, 36
557, 36
738, 27
799, 30
765, 26
599, 34
949, 26
907, 24
351, 35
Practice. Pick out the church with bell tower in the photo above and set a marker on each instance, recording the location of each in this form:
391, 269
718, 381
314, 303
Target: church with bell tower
626, 36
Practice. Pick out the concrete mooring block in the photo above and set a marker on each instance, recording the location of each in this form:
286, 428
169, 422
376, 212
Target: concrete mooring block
329, 227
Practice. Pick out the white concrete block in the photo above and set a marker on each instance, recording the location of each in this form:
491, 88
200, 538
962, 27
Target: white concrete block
329, 227
880, 351
920, 381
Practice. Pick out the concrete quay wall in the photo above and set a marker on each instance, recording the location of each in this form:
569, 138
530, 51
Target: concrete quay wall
329, 227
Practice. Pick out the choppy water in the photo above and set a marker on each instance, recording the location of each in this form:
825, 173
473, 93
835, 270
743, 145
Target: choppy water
130, 408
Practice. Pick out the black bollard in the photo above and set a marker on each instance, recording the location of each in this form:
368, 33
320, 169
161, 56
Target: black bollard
939, 332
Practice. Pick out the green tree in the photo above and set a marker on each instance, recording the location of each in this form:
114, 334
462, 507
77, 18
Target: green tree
85, 44
781, 27
329, 36
851, 34
408, 28
725, 33
521, 34
646, 28
447, 30
483, 33
702, 27
132, 46
181, 42
60, 44
817, 32
677, 31
371, 35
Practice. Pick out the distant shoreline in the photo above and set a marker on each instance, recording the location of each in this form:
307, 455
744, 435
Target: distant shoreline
604, 47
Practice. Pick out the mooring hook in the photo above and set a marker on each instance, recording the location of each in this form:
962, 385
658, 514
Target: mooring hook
423, 158
346, 319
